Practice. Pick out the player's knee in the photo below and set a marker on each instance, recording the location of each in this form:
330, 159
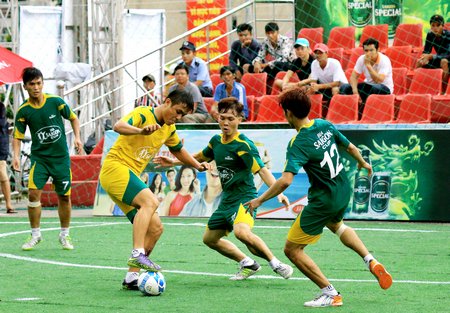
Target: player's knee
341, 230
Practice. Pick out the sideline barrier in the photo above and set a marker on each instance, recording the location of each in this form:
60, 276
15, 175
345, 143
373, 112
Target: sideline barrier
410, 180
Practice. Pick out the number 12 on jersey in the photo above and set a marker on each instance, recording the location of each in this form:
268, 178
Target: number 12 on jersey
335, 168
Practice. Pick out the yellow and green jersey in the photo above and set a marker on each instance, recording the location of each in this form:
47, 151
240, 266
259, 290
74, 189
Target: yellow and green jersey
237, 160
46, 125
135, 151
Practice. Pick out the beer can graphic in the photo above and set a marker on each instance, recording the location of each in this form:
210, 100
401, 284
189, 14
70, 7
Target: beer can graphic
388, 12
359, 12
380, 192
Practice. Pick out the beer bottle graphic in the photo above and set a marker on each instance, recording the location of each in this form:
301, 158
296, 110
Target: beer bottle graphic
359, 12
380, 193
361, 190
388, 12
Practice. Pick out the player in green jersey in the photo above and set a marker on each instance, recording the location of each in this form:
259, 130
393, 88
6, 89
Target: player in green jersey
314, 148
43, 114
237, 159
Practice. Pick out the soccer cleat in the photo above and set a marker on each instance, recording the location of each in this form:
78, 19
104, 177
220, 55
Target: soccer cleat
31, 243
284, 270
132, 285
141, 261
383, 277
324, 300
66, 242
246, 271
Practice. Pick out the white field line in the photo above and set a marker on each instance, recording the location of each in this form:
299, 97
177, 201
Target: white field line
35, 260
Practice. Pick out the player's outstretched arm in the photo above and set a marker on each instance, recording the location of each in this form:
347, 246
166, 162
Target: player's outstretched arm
186, 158
76, 132
268, 178
354, 152
124, 128
278, 187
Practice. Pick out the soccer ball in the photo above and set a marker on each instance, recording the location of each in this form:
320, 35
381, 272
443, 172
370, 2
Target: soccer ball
151, 283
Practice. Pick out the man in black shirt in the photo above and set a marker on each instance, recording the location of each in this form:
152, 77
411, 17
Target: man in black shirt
439, 39
300, 66
243, 51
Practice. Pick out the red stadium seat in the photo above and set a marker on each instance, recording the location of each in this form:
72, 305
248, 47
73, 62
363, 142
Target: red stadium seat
314, 35
378, 32
440, 107
399, 79
251, 107
336, 53
343, 109
208, 103
415, 108
378, 109
447, 26
355, 54
342, 37
316, 106
426, 81
409, 35
270, 110
255, 84
400, 56
280, 75
215, 78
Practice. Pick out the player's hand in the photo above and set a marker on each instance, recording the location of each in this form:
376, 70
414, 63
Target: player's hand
367, 166
283, 199
78, 146
205, 166
163, 161
252, 205
150, 129
16, 164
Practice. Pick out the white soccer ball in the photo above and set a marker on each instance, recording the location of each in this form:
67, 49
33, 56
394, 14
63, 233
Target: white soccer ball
151, 283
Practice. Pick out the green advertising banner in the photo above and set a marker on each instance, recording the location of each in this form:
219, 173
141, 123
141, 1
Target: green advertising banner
359, 13
410, 180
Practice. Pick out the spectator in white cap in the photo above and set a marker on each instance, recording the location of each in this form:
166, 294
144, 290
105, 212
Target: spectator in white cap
149, 98
198, 70
300, 66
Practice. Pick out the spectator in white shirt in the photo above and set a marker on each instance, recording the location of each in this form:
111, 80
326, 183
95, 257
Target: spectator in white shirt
377, 69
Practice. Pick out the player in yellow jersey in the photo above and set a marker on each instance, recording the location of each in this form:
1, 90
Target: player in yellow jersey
142, 133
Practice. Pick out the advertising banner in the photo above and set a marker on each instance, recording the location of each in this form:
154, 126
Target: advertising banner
359, 13
410, 180
202, 11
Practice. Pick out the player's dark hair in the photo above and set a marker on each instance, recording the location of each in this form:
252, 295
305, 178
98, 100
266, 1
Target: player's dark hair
297, 101
178, 178
181, 66
178, 96
31, 73
243, 27
231, 104
371, 41
271, 27
225, 68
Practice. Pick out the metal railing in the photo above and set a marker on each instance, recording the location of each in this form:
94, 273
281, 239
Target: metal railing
96, 107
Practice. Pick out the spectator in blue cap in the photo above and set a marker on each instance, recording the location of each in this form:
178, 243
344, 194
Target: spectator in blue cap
300, 66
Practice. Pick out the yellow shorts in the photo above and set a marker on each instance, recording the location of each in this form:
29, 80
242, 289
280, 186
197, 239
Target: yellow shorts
121, 184
297, 235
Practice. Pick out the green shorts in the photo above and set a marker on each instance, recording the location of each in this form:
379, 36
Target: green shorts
229, 214
58, 169
323, 208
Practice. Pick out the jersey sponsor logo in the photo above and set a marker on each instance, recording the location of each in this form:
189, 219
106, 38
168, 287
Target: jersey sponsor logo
229, 158
52, 116
145, 153
324, 140
48, 134
226, 175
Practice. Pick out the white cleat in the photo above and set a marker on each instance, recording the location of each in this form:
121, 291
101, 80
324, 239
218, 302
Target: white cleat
66, 242
31, 243
284, 270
